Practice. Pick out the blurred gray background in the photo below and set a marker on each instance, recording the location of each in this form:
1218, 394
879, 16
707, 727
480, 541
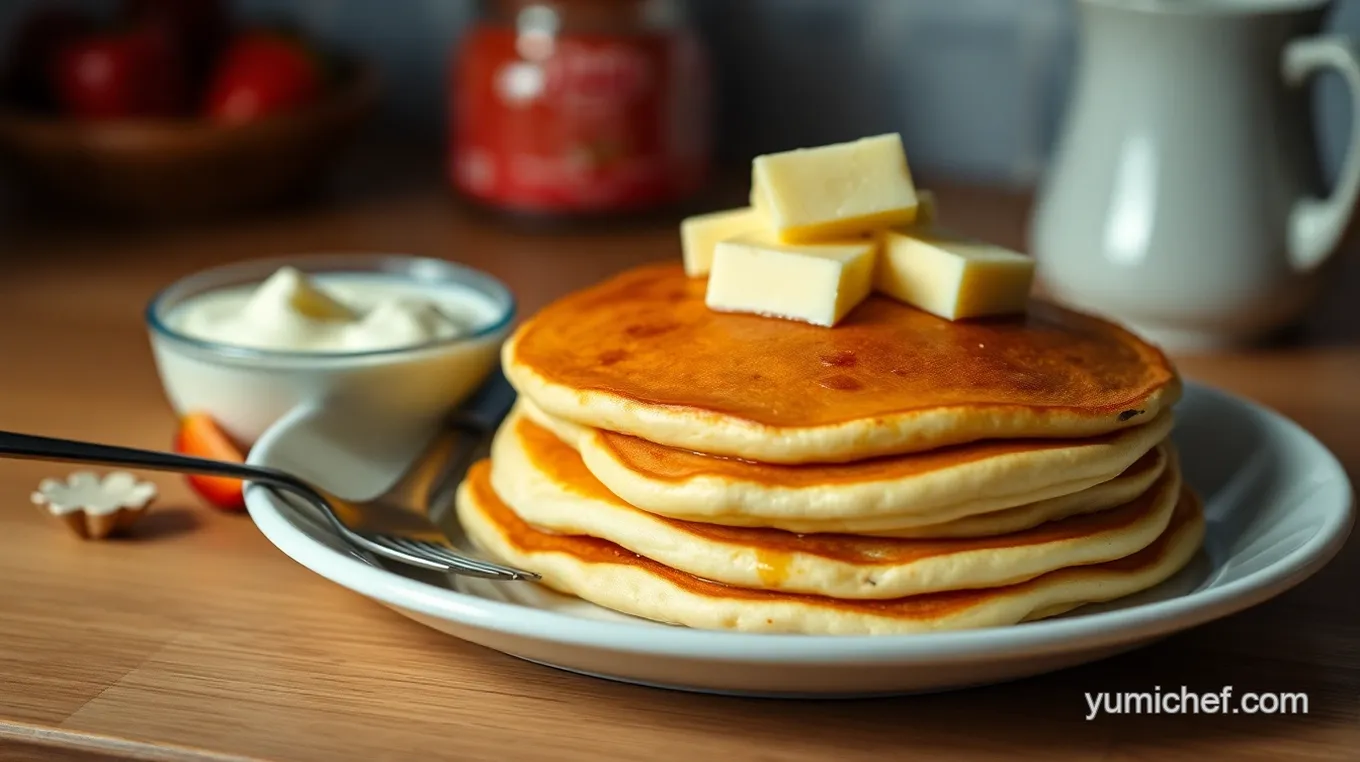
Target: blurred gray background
976, 87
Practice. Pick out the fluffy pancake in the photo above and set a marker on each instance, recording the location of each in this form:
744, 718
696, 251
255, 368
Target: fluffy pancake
641, 354
609, 575
1127, 486
544, 481
882, 495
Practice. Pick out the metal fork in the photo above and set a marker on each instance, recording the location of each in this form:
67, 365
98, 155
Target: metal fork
419, 553
427, 483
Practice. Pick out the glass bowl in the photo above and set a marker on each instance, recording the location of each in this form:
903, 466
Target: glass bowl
246, 389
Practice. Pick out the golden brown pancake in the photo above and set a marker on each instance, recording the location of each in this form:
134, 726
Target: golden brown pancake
877, 496
641, 354
1135, 480
609, 575
545, 482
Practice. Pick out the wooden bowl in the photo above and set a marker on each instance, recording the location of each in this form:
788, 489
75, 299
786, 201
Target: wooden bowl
176, 169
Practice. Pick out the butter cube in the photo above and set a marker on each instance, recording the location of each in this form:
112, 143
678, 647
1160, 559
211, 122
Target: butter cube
699, 234
813, 283
836, 191
953, 277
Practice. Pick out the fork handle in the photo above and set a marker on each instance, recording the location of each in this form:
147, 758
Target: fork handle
33, 447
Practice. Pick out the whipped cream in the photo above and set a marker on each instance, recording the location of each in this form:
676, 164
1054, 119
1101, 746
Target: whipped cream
346, 313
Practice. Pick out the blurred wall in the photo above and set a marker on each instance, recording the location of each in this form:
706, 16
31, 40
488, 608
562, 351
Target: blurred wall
976, 86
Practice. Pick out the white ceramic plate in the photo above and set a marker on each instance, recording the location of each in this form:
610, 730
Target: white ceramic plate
1278, 506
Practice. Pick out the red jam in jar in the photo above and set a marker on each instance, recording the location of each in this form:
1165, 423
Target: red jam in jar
579, 107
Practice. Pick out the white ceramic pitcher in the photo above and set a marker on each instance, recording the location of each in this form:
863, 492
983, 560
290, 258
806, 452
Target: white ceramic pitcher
1184, 194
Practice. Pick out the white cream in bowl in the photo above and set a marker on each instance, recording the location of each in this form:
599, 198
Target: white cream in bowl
292, 312
398, 340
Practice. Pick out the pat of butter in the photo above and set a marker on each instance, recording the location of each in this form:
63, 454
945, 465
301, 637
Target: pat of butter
813, 283
701, 233
836, 191
953, 277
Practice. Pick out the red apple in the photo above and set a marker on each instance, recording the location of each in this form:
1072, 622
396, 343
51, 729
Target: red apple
262, 73
119, 74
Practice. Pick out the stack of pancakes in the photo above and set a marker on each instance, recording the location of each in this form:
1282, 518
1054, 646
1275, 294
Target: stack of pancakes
899, 473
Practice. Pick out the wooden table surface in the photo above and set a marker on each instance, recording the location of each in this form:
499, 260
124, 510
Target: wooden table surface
196, 638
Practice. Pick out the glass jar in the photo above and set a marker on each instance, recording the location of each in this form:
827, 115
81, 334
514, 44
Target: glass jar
572, 108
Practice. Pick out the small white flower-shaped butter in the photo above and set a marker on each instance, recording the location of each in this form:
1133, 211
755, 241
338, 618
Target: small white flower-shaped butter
95, 507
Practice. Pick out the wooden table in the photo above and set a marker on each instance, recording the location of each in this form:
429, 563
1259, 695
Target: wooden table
196, 638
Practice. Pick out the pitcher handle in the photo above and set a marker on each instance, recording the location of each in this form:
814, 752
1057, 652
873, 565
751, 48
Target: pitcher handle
1317, 224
